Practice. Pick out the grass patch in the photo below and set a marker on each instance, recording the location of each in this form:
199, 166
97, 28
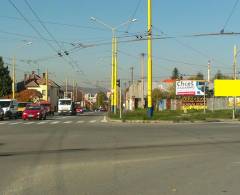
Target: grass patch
176, 116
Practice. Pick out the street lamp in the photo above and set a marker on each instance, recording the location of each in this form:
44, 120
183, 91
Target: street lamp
27, 43
114, 59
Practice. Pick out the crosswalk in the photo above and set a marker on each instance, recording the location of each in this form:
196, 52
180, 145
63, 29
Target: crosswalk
50, 122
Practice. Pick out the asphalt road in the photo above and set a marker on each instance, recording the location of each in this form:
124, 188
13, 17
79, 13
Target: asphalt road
66, 156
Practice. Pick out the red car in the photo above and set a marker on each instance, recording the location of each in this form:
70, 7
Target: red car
79, 110
34, 111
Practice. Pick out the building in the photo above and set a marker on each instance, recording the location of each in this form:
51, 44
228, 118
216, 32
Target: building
39, 84
136, 93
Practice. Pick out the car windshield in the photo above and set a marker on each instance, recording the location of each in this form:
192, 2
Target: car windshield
65, 102
33, 108
4, 104
22, 105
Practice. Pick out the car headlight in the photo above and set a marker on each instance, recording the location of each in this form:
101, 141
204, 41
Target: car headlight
38, 113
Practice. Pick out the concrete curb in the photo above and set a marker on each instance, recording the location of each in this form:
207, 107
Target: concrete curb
173, 122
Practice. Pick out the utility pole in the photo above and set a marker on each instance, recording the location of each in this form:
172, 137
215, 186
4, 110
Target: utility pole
209, 71
142, 67
13, 77
120, 101
73, 91
132, 74
115, 77
66, 88
149, 37
234, 77
76, 93
113, 71
46, 79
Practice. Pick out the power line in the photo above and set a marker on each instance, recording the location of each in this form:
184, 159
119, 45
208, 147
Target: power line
30, 24
134, 13
61, 24
230, 15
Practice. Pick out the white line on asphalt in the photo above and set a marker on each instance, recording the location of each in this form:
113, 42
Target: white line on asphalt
15, 123
67, 122
54, 122
80, 122
43, 122
92, 121
3, 123
28, 123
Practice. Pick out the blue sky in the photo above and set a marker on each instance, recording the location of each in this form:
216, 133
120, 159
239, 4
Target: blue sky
92, 65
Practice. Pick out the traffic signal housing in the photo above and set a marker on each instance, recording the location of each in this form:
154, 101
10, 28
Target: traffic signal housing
118, 83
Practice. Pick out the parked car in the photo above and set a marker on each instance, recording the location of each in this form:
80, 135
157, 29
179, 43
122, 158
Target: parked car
9, 107
21, 107
79, 110
34, 111
1, 114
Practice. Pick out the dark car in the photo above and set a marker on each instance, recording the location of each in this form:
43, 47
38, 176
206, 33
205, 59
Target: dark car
34, 112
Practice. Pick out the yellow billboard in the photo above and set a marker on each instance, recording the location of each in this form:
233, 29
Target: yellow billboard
227, 88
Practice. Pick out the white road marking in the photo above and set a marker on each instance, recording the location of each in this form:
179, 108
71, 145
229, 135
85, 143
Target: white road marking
3, 123
67, 122
92, 121
43, 122
28, 123
16, 123
80, 122
104, 119
55, 122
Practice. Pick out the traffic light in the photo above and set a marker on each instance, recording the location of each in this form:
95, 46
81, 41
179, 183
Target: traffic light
118, 82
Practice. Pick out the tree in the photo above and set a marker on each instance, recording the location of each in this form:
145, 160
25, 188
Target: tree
157, 95
101, 97
219, 75
175, 73
199, 76
28, 95
5, 80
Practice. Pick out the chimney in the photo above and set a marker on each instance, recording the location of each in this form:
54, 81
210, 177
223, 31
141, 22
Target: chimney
44, 75
25, 77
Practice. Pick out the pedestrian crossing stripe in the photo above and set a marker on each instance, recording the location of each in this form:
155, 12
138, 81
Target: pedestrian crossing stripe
49, 122
55, 122
67, 122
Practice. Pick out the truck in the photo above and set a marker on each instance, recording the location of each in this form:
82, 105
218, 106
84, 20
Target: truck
66, 107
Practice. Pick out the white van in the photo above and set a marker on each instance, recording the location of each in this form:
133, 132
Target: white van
9, 107
66, 106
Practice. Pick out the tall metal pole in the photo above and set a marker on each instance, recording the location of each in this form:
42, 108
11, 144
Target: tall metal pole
112, 80
234, 76
142, 68
120, 101
76, 93
13, 77
73, 91
46, 79
150, 108
209, 71
131, 74
66, 88
115, 77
